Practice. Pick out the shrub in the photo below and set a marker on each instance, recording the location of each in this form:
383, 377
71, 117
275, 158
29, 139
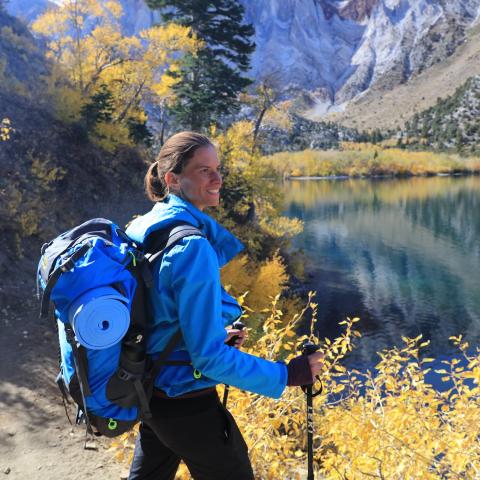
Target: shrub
386, 423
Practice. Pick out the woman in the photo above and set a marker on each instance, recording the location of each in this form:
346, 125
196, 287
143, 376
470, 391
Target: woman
189, 423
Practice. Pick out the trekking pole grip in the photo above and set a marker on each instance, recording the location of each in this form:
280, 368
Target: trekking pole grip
308, 348
237, 325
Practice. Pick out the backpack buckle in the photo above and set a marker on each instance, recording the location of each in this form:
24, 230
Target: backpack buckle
126, 376
139, 255
67, 266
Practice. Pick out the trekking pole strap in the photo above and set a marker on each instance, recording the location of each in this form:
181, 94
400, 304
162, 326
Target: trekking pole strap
142, 397
80, 361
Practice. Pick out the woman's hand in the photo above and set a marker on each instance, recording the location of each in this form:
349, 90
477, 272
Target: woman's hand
241, 336
315, 361
303, 369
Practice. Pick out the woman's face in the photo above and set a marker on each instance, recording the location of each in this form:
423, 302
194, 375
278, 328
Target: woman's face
200, 181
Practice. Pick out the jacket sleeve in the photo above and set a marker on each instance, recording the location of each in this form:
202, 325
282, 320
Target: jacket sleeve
195, 281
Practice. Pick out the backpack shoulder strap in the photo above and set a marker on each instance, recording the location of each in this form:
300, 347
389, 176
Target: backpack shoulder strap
159, 241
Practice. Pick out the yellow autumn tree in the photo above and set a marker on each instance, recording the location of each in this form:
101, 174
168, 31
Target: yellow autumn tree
91, 54
248, 197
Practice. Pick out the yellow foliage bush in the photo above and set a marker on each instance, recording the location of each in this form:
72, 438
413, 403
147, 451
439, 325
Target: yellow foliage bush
24, 209
278, 116
367, 159
260, 284
67, 101
110, 135
269, 282
388, 423
5, 130
237, 276
44, 173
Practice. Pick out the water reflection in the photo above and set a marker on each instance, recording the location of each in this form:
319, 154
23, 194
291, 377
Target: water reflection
404, 255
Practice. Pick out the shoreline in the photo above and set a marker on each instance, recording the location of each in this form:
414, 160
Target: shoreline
467, 173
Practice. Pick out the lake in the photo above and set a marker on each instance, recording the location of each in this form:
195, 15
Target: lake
401, 254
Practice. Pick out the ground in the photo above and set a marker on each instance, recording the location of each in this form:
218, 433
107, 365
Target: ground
36, 439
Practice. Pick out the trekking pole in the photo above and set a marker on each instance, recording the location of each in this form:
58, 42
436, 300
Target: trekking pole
239, 326
307, 349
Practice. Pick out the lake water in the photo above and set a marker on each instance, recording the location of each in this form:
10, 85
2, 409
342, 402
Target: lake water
403, 255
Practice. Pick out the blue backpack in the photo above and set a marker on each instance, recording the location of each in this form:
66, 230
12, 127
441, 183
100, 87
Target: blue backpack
97, 264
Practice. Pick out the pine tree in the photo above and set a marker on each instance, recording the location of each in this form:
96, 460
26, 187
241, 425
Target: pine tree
212, 79
459, 140
99, 109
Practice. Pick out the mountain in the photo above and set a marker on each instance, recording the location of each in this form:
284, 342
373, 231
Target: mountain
27, 10
339, 49
334, 52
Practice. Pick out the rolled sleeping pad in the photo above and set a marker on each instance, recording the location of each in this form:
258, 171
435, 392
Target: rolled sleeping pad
100, 318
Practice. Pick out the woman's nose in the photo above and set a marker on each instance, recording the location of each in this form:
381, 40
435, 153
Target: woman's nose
217, 177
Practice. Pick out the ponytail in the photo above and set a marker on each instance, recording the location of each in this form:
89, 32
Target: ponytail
155, 187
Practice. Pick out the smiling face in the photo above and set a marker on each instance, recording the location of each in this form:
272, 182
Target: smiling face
200, 180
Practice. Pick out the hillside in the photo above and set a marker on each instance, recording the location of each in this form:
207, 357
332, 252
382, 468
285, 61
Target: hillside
52, 175
454, 122
305, 134
389, 109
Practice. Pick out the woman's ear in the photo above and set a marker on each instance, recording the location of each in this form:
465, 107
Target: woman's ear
172, 180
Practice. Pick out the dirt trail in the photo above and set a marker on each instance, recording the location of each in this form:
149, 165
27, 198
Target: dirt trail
36, 440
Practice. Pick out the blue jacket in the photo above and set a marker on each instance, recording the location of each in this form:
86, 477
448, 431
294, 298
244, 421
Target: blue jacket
188, 294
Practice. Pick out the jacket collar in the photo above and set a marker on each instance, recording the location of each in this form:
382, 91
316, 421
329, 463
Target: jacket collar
225, 244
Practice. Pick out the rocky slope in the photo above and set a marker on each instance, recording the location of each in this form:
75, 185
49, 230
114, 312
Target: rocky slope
305, 134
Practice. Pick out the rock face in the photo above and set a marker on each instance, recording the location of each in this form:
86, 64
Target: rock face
357, 10
334, 49
27, 10
338, 49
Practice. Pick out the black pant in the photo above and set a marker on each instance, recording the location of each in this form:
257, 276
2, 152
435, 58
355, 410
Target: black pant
199, 431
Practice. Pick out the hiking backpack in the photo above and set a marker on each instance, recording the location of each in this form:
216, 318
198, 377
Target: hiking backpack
111, 386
